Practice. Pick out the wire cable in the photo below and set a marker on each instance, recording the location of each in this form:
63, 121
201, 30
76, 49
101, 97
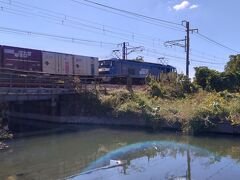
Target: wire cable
138, 17
128, 12
72, 39
217, 43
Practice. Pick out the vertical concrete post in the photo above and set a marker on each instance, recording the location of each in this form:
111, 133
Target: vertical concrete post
129, 83
53, 105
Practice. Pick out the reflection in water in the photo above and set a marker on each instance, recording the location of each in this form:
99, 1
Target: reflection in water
86, 154
149, 149
133, 154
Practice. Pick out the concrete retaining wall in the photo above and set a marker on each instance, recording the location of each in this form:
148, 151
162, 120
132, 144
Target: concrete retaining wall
82, 120
224, 128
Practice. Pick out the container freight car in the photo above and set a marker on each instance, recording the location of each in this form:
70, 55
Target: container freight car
117, 70
57, 63
53, 63
21, 58
65, 64
84, 65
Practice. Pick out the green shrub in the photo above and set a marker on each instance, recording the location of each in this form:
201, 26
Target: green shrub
201, 121
156, 90
171, 86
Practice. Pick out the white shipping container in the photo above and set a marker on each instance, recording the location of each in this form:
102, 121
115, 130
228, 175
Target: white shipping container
49, 63
65, 64
86, 66
80, 65
96, 66
56, 63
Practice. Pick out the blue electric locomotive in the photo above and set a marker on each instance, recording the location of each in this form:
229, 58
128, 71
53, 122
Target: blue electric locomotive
118, 70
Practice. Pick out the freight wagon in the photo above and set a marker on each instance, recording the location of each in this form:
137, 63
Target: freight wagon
85, 65
47, 62
57, 63
21, 58
117, 70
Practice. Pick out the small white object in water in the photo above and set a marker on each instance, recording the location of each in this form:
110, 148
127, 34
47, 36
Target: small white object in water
115, 162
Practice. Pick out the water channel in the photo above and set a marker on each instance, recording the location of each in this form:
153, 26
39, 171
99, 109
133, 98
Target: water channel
97, 153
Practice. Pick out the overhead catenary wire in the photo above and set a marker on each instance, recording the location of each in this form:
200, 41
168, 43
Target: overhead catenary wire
212, 59
55, 15
72, 39
182, 58
84, 41
128, 12
68, 25
66, 18
204, 54
75, 26
136, 17
217, 43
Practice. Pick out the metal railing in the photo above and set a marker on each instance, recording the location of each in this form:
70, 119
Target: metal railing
10, 79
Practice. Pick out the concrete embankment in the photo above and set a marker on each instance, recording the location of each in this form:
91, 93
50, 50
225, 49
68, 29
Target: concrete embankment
82, 120
87, 109
224, 128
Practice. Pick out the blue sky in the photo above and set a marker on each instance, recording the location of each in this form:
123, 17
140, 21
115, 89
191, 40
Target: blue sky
215, 19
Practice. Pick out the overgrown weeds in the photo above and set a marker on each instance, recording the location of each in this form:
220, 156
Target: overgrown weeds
169, 100
195, 112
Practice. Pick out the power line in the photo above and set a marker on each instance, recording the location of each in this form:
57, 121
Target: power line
202, 54
89, 42
213, 59
65, 20
62, 17
182, 58
75, 26
135, 16
77, 40
68, 17
59, 22
216, 43
128, 12
71, 39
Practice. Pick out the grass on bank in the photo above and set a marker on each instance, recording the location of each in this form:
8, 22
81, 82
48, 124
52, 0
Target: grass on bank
171, 99
175, 99
194, 112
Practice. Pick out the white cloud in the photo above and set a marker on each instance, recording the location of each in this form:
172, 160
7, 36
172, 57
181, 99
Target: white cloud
194, 6
181, 6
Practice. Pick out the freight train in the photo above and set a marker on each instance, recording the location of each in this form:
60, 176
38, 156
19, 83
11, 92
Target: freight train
117, 70
47, 62
52, 63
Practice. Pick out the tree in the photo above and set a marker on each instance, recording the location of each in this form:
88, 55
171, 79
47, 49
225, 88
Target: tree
202, 75
231, 81
233, 66
214, 81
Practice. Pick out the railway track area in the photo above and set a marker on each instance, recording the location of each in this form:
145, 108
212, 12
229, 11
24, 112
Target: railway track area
23, 83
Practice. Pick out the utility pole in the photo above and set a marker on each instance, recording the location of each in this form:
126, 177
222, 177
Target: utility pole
187, 48
124, 51
127, 49
186, 44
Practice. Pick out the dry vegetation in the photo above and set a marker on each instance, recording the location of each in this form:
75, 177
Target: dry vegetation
173, 100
